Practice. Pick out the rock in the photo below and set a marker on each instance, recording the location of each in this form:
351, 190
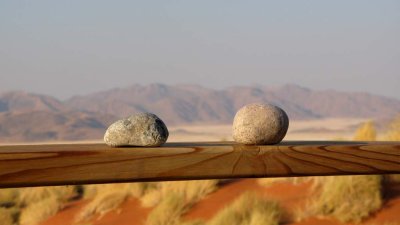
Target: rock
143, 129
260, 124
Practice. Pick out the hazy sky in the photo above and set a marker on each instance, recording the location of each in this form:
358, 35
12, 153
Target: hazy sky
64, 48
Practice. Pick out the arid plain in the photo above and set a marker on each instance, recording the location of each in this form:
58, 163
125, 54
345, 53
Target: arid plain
316, 129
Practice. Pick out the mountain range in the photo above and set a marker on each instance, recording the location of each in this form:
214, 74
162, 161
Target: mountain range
32, 117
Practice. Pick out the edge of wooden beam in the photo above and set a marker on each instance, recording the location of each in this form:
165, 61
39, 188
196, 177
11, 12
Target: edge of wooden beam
67, 164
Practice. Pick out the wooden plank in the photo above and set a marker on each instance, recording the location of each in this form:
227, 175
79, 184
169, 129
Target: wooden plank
62, 164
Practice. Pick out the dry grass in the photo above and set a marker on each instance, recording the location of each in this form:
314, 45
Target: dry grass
366, 132
189, 191
39, 203
168, 211
107, 197
103, 203
346, 198
135, 189
8, 196
151, 199
248, 209
194, 222
31, 195
174, 198
36, 212
393, 133
266, 182
32, 205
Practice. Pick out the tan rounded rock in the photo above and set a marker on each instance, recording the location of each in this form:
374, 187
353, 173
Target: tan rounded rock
143, 129
259, 124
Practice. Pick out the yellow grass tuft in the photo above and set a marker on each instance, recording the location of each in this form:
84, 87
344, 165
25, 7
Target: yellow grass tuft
366, 132
38, 211
103, 202
107, 197
151, 199
393, 133
168, 211
248, 209
189, 191
135, 189
174, 198
266, 182
194, 222
31, 195
346, 198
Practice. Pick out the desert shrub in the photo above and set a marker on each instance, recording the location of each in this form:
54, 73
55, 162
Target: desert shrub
189, 191
135, 189
366, 132
38, 211
90, 191
39, 203
248, 209
172, 199
103, 202
346, 198
31, 195
168, 211
107, 197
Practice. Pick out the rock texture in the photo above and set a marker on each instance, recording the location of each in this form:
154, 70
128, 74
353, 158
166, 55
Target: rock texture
143, 129
260, 124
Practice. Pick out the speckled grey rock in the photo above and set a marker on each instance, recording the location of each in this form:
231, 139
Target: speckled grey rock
260, 124
143, 129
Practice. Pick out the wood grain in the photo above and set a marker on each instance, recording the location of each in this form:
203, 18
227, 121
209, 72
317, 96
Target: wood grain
62, 164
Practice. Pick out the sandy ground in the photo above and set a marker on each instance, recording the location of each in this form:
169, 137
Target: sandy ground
321, 129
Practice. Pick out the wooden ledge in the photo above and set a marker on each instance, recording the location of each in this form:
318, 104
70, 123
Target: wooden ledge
65, 164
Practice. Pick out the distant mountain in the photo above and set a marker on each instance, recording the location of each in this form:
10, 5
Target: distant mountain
19, 101
33, 117
196, 104
52, 126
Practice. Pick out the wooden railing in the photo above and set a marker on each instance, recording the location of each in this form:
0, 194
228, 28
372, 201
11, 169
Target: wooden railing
65, 164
